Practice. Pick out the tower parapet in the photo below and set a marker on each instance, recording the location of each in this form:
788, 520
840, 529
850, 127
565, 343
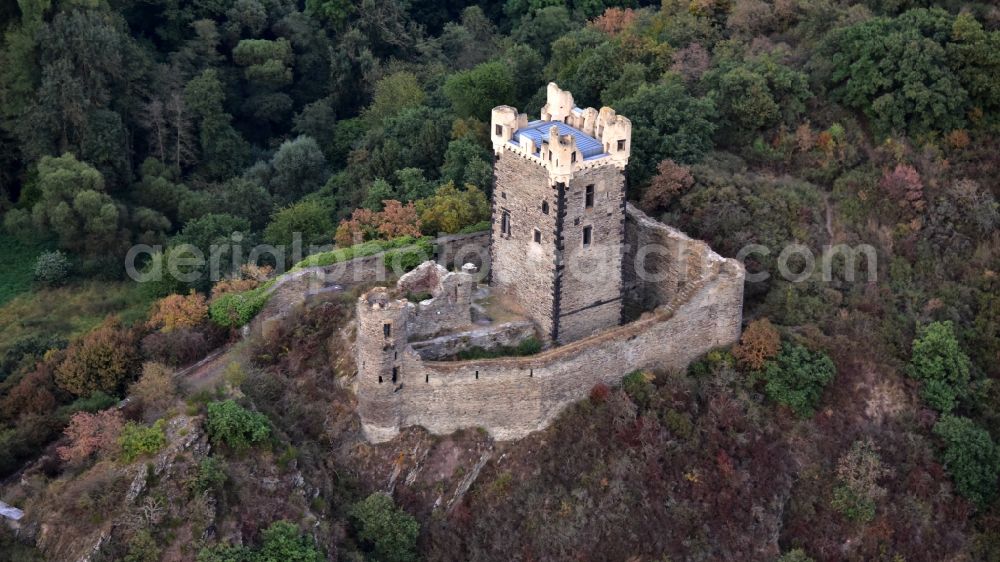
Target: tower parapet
566, 139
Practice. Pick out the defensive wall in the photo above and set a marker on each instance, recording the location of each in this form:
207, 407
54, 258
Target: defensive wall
695, 298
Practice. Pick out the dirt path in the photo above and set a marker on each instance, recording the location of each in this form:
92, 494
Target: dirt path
207, 372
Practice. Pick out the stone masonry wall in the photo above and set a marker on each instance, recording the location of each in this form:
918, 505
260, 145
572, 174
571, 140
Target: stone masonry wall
293, 288
523, 269
590, 290
659, 260
511, 397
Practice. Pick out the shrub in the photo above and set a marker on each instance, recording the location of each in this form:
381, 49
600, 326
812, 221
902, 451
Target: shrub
137, 440
971, 456
282, 541
232, 310
599, 393
89, 434
94, 403
102, 360
858, 473
52, 268
797, 555
234, 425
175, 348
211, 475
940, 364
797, 377
178, 311
388, 533
28, 348
285, 542
155, 388
637, 385
759, 343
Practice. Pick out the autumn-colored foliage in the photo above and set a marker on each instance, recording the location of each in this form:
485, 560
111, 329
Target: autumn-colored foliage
178, 311
759, 343
614, 20
33, 394
691, 62
393, 221
249, 277
89, 434
450, 209
155, 388
671, 180
103, 359
958, 139
903, 185
599, 393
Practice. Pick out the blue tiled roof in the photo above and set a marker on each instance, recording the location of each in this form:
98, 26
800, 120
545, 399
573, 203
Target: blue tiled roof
539, 131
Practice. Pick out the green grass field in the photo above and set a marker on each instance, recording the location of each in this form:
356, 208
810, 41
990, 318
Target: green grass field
69, 311
19, 265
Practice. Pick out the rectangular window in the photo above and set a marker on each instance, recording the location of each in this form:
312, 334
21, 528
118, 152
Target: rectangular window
395, 373
587, 235
588, 200
387, 330
499, 130
538, 236
545, 207
572, 157
621, 144
505, 223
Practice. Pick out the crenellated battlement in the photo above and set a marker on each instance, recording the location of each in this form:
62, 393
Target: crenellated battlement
566, 139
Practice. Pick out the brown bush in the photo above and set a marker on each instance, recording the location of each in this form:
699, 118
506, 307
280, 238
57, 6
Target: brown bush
178, 311
89, 434
103, 359
671, 180
155, 388
759, 342
176, 348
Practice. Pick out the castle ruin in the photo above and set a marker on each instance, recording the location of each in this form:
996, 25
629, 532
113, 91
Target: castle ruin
603, 287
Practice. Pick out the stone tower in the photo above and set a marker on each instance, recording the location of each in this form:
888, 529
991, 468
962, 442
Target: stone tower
382, 339
559, 214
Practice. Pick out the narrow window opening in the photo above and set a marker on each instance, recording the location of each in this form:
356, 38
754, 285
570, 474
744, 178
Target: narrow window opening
587, 235
499, 129
387, 329
380, 379
503, 194
588, 200
538, 236
395, 373
505, 223
621, 144
427, 377
531, 372
572, 157
545, 207
477, 375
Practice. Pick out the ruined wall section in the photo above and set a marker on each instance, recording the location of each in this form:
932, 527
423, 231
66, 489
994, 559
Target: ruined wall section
660, 260
524, 270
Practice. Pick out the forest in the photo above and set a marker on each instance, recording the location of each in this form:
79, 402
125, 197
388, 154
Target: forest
858, 418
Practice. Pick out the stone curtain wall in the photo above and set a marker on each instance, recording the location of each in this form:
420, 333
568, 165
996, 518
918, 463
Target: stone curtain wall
667, 258
511, 397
